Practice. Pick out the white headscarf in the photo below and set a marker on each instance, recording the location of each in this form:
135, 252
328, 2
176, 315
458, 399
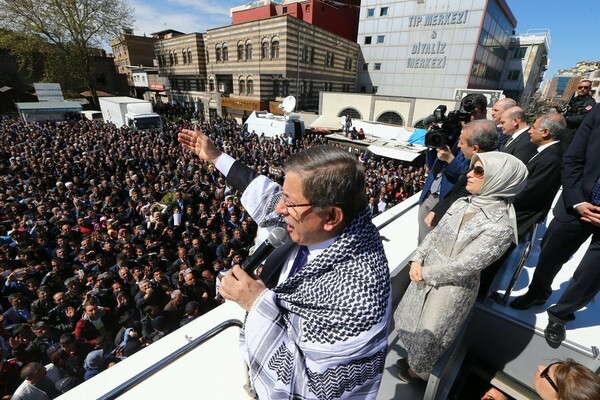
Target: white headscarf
505, 176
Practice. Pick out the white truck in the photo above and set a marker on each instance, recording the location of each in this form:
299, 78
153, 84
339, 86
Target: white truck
134, 113
290, 125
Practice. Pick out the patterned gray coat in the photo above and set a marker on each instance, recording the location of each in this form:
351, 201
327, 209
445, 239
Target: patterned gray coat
431, 312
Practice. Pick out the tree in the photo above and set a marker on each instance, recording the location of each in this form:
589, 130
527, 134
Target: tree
73, 27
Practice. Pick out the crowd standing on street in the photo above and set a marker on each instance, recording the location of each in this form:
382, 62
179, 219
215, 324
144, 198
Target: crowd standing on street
111, 238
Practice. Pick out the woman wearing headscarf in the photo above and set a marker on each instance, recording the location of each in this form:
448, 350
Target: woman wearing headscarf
446, 266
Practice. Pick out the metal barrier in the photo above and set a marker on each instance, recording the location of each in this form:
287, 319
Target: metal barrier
128, 384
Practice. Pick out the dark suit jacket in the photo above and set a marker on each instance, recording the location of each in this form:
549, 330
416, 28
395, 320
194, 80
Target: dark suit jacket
239, 177
533, 203
521, 147
580, 167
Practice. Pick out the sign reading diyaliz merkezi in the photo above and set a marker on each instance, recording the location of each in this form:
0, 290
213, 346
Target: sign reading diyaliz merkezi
436, 48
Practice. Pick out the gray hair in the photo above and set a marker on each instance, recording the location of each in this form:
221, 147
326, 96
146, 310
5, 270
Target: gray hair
330, 177
506, 103
176, 293
554, 122
483, 134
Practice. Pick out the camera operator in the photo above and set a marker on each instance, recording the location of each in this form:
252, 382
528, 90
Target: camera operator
580, 104
449, 163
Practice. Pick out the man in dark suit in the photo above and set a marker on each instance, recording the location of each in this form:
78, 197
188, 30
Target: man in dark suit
518, 144
533, 203
576, 218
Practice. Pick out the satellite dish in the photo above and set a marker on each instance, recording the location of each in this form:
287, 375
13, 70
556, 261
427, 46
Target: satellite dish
343, 121
288, 104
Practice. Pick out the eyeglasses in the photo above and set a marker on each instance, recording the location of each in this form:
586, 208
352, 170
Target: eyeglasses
583, 87
478, 171
289, 205
545, 374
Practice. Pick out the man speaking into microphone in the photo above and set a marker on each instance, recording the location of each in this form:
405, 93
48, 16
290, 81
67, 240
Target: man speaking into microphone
318, 316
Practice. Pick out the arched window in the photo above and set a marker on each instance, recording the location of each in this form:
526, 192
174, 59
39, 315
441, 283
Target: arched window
276, 87
240, 51
189, 53
265, 50
354, 114
184, 56
211, 84
391, 117
248, 51
175, 57
207, 56
275, 49
250, 86
218, 53
242, 87
170, 58
225, 53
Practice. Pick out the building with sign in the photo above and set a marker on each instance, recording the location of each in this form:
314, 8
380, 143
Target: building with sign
429, 48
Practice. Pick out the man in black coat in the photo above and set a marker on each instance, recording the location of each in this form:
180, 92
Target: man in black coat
576, 218
518, 144
576, 110
533, 203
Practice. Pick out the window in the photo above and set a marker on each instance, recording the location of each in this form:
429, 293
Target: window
370, 12
211, 85
264, 54
380, 38
275, 49
170, 58
367, 39
276, 87
207, 56
513, 75
308, 8
391, 117
175, 57
284, 10
329, 59
374, 89
225, 53
189, 53
250, 86
184, 56
520, 52
240, 52
365, 66
354, 114
348, 63
242, 86
249, 51
383, 12
363, 89
377, 67
218, 53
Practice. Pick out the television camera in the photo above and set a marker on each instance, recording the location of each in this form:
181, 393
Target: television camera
445, 129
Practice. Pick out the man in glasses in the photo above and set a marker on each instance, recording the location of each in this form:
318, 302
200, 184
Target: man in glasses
325, 292
576, 218
576, 109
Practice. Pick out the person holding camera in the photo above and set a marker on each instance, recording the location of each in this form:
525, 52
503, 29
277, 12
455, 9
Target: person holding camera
446, 266
445, 169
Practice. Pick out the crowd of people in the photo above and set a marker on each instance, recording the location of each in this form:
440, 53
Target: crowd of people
110, 238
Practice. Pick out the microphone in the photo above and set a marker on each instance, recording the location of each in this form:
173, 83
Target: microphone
276, 238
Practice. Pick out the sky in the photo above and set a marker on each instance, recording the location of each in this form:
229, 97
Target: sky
573, 33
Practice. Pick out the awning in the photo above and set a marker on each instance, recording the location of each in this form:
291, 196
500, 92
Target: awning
326, 122
394, 153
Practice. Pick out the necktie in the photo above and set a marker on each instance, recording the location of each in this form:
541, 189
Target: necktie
300, 260
507, 143
595, 196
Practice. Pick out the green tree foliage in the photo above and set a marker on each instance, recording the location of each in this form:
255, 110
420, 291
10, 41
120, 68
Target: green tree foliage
70, 27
